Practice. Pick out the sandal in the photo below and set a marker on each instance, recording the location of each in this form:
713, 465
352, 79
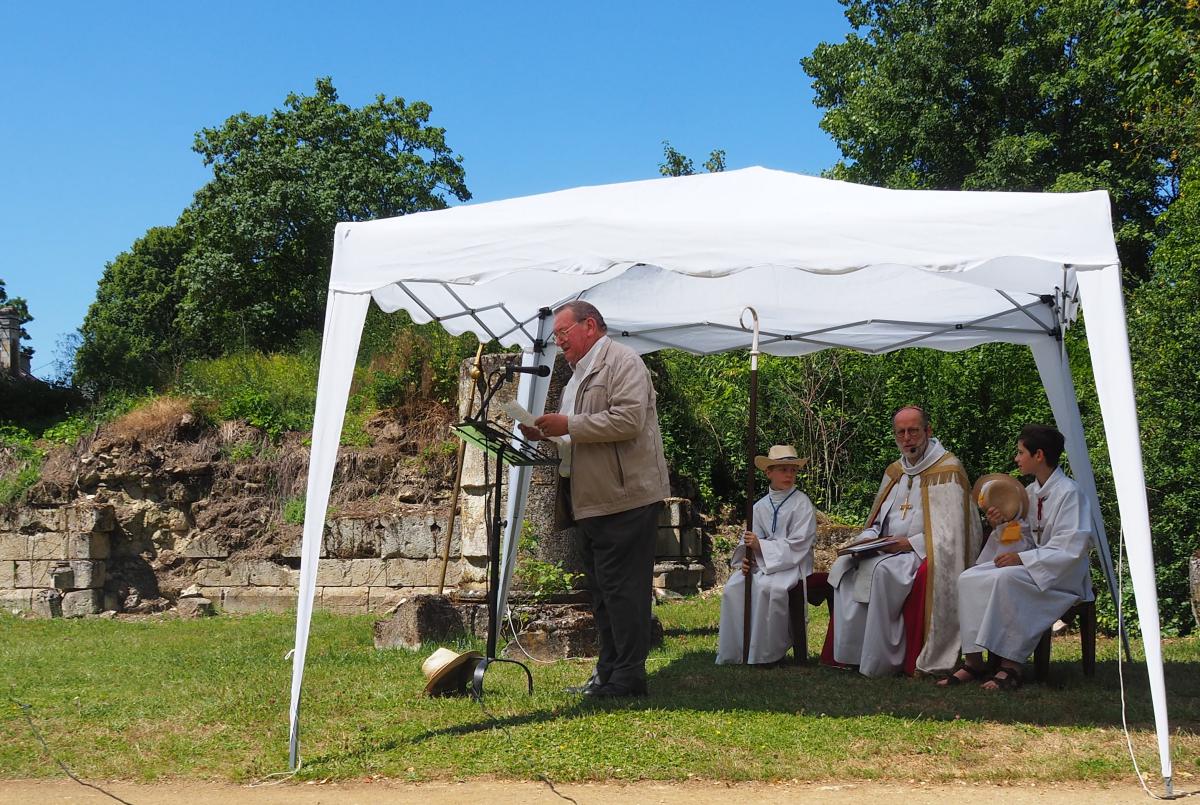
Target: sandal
973, 675
1009, 682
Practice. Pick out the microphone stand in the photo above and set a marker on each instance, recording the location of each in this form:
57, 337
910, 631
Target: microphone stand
497, 442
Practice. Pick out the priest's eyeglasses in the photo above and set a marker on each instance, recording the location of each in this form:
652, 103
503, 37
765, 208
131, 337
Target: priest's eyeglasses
898, 432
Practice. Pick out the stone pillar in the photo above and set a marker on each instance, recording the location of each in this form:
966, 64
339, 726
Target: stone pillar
10, 341
554, 546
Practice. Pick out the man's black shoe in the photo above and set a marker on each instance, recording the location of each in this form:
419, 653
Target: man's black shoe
586, 688
615, 690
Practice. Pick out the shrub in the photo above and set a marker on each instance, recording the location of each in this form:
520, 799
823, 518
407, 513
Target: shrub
20, 463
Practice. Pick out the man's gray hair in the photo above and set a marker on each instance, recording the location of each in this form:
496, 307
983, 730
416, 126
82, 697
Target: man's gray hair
584, 310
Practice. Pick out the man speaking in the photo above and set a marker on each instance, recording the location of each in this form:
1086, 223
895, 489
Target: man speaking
613, 478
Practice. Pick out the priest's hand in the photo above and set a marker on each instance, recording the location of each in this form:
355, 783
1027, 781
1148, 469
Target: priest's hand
746, 566
552, 424
897, 546
1008, 560
994, 517
531, 433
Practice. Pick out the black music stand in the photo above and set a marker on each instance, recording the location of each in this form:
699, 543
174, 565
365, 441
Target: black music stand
498, 444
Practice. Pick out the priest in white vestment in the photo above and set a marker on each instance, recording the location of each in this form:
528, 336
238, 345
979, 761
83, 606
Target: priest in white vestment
1008, 601
775, 556
923, 508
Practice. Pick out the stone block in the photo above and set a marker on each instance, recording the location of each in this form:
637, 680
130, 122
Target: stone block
82, 518
19, 600
678, 577
194, 607
259, 599
352, 573
419, 619
351, 539
214, 594
87, 546
62, 576
413, 536
384, 600
47, 603
557, 635
413, 572
222, 573
691, 542
81, 602
88, 574
200, 546
8, 574
475, 539
14, 546
346, 600
265, 573
33, 574
48, 545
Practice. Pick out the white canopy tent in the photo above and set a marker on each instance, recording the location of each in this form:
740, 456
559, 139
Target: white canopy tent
673, 262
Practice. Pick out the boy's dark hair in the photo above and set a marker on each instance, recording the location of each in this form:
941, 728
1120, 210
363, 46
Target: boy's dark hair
1044, 438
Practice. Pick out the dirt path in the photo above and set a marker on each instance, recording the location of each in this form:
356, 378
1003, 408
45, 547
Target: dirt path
28, 792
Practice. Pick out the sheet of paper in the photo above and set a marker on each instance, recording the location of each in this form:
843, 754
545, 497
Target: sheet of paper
519, 413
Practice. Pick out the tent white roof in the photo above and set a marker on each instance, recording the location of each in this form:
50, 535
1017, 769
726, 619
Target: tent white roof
673, 262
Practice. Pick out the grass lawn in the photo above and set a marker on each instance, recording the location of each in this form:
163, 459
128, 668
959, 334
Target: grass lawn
155, 699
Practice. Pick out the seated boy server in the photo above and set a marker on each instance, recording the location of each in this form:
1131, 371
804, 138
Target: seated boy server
1005, 605
785, 526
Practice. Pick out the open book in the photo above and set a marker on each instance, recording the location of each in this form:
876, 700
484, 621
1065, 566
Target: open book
865, 547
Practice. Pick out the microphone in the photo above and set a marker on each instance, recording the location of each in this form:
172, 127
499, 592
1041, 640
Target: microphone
512, 369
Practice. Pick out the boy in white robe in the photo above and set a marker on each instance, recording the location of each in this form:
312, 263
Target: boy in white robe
1007, 604
776, 556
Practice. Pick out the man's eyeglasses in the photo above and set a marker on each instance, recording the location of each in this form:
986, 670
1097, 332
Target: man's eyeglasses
899, 432
558, 335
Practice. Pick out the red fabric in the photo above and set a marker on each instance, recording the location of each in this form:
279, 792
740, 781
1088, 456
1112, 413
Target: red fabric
914, 620
818, 591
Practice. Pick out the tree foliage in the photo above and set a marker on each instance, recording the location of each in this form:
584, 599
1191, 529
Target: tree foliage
1003, 95
247, 264
1065, 96
676, 164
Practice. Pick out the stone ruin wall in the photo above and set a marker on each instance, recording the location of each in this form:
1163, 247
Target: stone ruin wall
139, 540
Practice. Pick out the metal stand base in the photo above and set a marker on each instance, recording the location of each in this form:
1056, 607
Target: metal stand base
481, 667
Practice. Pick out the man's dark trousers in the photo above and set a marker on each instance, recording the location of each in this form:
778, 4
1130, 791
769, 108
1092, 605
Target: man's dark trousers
618, 558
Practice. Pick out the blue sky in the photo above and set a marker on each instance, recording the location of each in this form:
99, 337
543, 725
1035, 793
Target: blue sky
101, 103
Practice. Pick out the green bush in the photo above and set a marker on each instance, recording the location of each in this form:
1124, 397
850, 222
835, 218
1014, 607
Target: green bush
274, 392
293, 511
540, 578
20, 463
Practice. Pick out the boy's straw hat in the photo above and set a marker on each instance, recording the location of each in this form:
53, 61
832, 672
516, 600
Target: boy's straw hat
780, 455
1002, 491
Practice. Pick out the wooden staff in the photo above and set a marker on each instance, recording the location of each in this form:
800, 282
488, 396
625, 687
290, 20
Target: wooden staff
751, 437
476, 373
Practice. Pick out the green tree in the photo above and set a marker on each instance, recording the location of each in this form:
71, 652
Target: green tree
247, 265
128, 338
1003, 95
676, 164
1165, 314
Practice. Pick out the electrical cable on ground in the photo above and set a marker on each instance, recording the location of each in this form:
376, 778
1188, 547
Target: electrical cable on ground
26, 710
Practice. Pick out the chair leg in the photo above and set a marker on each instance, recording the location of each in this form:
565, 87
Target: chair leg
797, 601
1041, 658
1087, 636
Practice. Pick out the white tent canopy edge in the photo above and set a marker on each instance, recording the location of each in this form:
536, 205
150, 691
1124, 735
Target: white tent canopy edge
1004, 268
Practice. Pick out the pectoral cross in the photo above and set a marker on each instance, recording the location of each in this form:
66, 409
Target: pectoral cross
904, 509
